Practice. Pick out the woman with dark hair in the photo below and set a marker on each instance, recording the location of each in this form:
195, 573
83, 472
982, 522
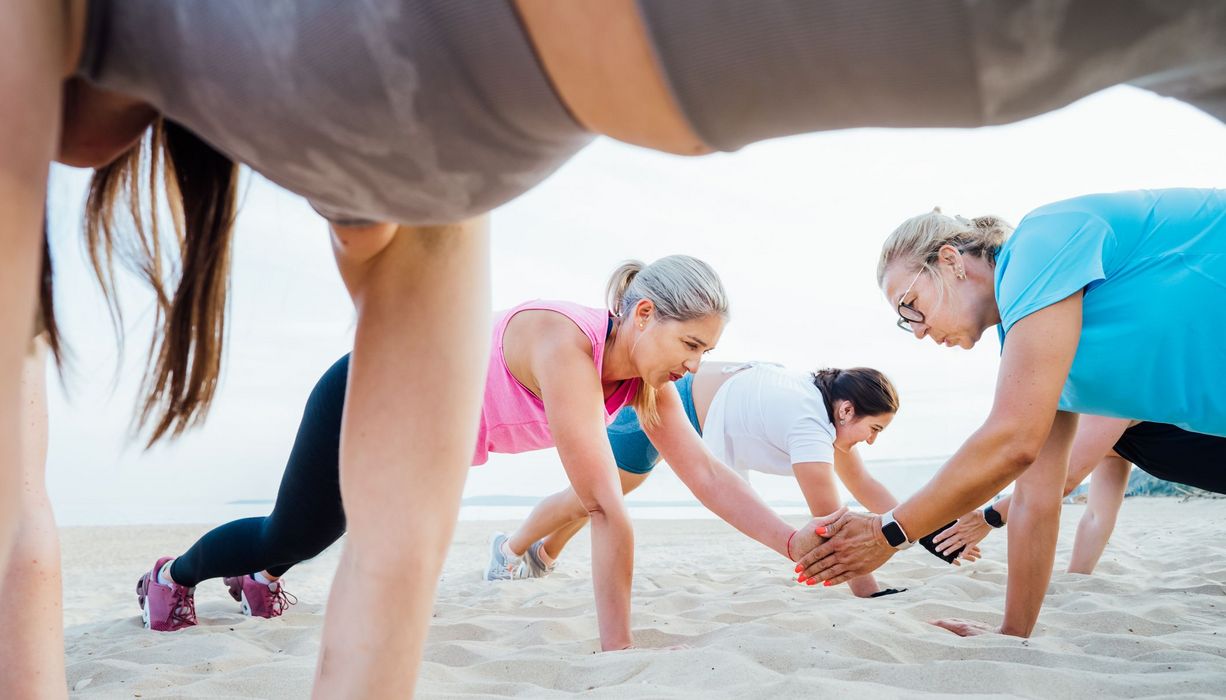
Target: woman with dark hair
754, 417
404, 122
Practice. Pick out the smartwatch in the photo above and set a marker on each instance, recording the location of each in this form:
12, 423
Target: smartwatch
992, 517
894, 534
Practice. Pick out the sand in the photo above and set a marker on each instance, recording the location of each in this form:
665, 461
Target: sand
1151, 622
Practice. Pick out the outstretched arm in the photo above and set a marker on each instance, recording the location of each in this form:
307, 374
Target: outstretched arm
33, 59
1095, 436
718, 487
818, 484
574, 405
871, 494
1034, 365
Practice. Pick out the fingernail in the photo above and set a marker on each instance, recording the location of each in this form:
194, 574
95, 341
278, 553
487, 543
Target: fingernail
810, 582
826, 583
800, 579
799, 568
821, 530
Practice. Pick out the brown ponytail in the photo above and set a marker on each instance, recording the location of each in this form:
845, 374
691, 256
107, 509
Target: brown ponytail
200, 188
870, 392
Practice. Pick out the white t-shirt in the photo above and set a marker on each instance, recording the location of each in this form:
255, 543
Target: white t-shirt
767, 418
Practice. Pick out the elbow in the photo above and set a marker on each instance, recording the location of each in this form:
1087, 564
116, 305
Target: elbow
1017, 457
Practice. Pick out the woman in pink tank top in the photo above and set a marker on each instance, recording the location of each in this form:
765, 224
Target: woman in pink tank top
552, 381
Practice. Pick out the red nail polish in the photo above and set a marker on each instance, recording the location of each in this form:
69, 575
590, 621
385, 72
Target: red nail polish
811, 581
821, 531
799, 568
800, 579
826, 583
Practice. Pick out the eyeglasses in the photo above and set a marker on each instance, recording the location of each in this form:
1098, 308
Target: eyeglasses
908, 314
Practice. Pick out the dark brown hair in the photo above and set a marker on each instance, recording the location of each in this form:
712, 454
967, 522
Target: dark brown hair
200, 192
870, 392
44, 322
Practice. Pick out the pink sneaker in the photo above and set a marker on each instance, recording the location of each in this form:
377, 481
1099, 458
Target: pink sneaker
165, 608
259, 599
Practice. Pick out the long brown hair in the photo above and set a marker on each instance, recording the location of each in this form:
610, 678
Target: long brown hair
200, 192
44, 323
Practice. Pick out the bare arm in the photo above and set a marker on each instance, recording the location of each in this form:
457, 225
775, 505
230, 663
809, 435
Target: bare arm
1095, 437
32, 61
818, 484
1035, 527
714, 484
407, 436
574, 404
1034, 366
871, 494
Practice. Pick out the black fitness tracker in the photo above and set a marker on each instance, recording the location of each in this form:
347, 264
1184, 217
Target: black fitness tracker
894, 534
992, 517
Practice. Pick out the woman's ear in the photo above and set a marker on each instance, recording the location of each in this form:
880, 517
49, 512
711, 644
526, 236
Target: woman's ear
845, 412
642, 312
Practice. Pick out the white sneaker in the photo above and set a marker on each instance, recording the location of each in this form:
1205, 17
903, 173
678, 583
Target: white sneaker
501, 568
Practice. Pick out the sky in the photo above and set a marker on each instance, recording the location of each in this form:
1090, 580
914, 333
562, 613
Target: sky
793, 225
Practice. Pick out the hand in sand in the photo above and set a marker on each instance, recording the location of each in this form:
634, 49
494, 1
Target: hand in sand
969, 530
969, 554
965, 628
854, 546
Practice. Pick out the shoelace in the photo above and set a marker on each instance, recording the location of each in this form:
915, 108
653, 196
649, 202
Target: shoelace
282, 599
183, 607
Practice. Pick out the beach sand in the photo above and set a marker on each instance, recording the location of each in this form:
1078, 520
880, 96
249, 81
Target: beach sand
1151, 622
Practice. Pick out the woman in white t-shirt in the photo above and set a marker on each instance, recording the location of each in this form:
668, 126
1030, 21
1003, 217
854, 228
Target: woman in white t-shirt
753, 417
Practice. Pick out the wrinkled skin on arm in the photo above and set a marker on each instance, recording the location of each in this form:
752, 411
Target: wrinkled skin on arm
1034, 365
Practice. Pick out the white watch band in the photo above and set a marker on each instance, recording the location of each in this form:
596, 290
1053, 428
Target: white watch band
888, 518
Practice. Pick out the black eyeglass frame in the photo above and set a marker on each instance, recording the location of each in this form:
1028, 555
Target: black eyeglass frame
904, 323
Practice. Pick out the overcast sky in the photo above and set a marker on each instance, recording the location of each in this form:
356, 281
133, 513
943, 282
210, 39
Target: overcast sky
793, 226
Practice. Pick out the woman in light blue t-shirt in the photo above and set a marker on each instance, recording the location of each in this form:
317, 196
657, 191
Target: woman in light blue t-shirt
1110, 304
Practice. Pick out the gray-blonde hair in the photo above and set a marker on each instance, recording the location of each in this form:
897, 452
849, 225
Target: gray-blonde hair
682, 288
916, 244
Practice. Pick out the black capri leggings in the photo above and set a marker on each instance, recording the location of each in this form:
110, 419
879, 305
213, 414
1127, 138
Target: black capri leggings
308, 516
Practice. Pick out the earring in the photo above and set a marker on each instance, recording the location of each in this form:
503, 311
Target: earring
961, 274
843, 421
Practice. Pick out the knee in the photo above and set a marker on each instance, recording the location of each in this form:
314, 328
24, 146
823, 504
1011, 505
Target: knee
288, 545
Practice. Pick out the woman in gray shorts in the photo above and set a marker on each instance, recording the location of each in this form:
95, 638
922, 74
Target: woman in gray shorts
754, 417
417, 117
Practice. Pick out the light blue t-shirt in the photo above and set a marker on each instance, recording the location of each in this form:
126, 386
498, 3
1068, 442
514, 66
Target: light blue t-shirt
1153, 267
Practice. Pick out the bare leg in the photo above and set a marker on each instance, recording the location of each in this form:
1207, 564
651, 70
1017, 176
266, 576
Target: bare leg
560, 517
1107, 487
33, 600
409, 428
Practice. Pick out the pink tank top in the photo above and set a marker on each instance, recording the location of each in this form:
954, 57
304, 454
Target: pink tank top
513, 418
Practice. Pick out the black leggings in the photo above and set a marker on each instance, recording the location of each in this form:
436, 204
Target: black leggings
308, 516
